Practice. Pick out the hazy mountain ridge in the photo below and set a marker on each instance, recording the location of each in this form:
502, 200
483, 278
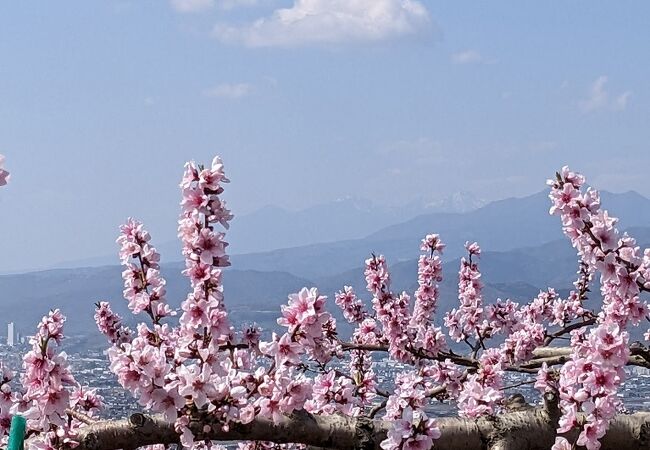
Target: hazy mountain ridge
273, 228
499, 226
256, 296
25, 298
532, 255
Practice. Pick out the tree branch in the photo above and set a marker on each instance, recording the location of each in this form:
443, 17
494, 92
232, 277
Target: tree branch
81, 417
639, 356
532, 429
569, 329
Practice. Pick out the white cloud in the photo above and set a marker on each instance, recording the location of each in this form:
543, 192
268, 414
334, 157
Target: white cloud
229, 91
313, 22
191, 6
620, 102
231, 4
599, 98
467, 57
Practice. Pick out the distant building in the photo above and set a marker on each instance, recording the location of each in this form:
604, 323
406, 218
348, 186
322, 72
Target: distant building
10, 334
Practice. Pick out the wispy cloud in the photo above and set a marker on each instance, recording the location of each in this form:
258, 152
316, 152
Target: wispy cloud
314, 22
620, 102
231, 4
471, 56
599, 98
467, 57
229, 91
191, 6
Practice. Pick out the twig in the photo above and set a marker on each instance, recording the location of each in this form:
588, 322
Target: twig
81, 417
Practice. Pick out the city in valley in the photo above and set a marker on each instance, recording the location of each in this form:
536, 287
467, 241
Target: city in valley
91, 368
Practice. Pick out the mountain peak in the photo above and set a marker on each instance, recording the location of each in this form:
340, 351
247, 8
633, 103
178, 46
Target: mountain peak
458, 202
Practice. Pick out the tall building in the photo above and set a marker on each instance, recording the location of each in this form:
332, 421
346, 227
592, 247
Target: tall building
10, 334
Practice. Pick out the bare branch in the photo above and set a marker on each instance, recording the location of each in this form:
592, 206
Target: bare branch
81, 417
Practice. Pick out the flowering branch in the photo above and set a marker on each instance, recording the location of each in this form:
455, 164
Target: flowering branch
204, 380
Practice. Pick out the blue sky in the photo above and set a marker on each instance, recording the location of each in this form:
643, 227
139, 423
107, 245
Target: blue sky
307, 101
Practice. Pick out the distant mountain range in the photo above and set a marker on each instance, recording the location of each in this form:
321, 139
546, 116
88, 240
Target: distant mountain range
459, 202
329, 238
25, 298
523, 251
271, 228
502, 225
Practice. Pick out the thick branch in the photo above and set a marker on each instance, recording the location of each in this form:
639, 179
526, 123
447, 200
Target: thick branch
503, 444
140, 430
81, 417
639, 350
532, 429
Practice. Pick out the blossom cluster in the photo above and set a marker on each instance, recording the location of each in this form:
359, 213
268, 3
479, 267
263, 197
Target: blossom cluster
144, 287
110, 324
392, 311
4, 175
412, 337
429, 275
183, 369
410, 334
589, 382
412, 429
429, 338
143, 360
309, 328
7, 396
50, 395
351, 305
409, 331
7, 399
193, 364
202, 365
331, 394
467, 321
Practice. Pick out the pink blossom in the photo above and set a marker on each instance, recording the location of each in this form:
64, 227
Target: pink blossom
561, 444
283, 350
432, 243
352, 307
4, 175
477, 398
411, 428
